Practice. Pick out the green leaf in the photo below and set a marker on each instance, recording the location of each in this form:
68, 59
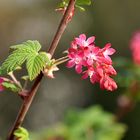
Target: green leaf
83, 2
19, 55
63, 4
45, 56
33, 45
80, 8
11, 86
79, 4
25, 77
16, 59
21, 134
36, 63
26, 52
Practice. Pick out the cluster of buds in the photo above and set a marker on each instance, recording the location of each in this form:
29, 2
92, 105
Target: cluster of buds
48, 71
92, 61
135, 47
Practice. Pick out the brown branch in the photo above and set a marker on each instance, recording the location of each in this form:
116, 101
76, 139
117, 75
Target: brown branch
62, 27
27, 102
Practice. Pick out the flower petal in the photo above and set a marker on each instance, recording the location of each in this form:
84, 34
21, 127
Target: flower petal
82, 37
78, 68
90, 40
85, 76
79, 41
107, 46
70, 63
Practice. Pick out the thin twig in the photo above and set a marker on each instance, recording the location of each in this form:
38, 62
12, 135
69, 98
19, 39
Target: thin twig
60, 62
25, 84
62, 58
27, 102
14, 79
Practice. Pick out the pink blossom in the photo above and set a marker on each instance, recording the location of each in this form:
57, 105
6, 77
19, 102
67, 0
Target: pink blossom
92, 54
108, 83
81, 41
135, 47
1, 86
108, 69
106, 52
92, 73
95, 61
77, 61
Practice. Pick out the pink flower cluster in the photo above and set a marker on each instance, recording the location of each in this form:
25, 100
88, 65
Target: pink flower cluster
92, 61
135, 47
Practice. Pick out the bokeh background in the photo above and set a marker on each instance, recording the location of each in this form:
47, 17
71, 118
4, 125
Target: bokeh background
109, 20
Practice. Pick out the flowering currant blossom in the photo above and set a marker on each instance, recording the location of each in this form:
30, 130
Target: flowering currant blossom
1, 86
135, 47
92, 61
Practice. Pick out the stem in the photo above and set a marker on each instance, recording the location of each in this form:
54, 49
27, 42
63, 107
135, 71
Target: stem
11, 74
27, 102
61, 61
25, 107
25, 84
62, 27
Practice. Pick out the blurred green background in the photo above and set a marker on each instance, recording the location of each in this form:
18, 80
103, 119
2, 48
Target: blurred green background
109, 20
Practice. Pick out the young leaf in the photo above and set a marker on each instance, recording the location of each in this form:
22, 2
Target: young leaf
19, 55
46, 57
79, 4
25, 77
34, 45
80, 8
21, 134
11, 86
36, 63
83, 2
26, 52
63, 4
16, 59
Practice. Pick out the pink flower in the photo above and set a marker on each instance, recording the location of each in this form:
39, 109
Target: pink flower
92, 73
108, 69
1, 86
92, 54
96, 62
76, 60
81, 41
135, 47
108, 83
106, 52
